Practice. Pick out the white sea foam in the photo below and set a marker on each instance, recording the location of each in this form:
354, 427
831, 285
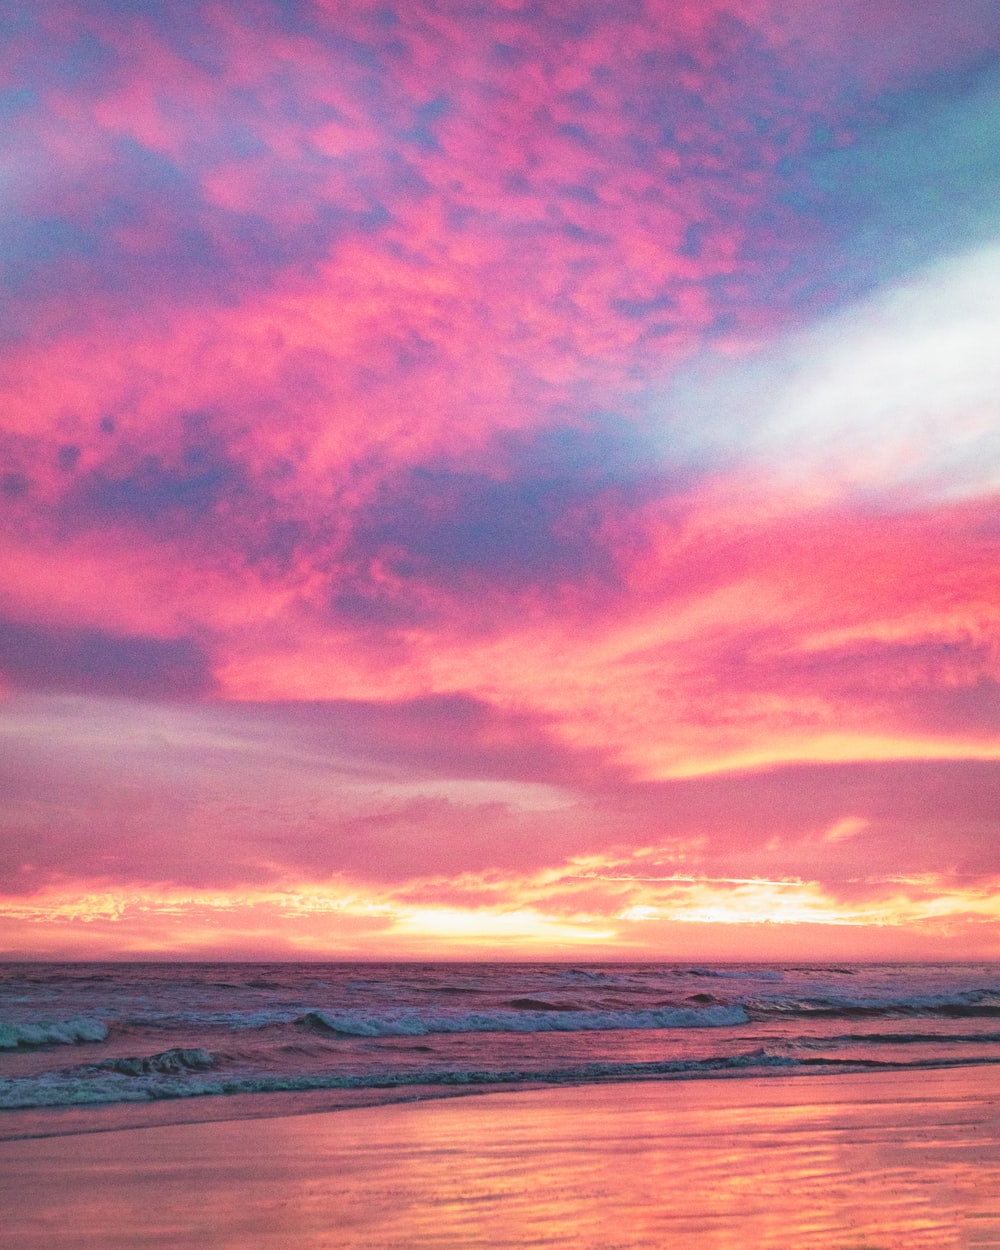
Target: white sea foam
561, 1021
90, 1086
50, 1033
179, 1059
76, 1089
972, 1003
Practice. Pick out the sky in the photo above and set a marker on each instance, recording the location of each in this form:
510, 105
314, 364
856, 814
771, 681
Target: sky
500, 479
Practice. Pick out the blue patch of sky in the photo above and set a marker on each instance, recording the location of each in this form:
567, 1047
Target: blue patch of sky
421, 133
535, 521
640, 309
156, 9
451, 533
595, 448
444, 524
83, 61
586, 458
154, 491
703, 414
16, 101
190, 256
28, 245
16, 19
201, 494
920, 181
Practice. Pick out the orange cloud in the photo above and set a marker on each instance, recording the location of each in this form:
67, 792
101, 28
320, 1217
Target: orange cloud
617, 914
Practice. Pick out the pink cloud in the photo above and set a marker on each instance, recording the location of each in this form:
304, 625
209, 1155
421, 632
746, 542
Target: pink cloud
398, 479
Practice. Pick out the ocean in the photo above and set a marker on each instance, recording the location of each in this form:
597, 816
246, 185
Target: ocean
90, 1046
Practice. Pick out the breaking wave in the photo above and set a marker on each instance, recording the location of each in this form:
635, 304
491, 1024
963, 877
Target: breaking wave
49, 1033
539, 1017
77, 1089
168, 1061
971, 1006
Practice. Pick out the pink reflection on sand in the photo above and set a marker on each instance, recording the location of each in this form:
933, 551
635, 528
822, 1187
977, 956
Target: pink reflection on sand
879, 1161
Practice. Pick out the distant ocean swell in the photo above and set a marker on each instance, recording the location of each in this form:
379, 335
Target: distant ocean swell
527, 1016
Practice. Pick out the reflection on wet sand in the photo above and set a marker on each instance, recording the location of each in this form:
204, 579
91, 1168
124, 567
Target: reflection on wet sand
879, 1162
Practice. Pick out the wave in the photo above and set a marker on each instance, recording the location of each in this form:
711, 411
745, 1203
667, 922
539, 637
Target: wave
735, 974
454, 989
539, 1004
77, 1088
90, 1086
897, 1039
50, 1033
531, 1016
168, 1061
975, 1005
522, 1014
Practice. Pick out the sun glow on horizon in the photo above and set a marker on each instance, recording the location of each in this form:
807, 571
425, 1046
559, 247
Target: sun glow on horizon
625, 914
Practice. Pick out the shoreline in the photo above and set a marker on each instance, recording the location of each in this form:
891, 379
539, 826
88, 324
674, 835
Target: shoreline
881, 1160
41, 1123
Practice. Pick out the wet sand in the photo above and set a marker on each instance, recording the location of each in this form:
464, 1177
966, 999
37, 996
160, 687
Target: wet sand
871, 1162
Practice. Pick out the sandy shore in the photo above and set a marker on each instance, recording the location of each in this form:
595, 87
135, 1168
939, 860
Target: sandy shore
837, 1163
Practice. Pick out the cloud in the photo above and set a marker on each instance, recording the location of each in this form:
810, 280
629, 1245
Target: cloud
893, 397
229, 796
90, 661
460, 440
243, 794
444, 735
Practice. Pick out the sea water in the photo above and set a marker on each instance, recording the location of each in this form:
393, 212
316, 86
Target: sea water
87, 1045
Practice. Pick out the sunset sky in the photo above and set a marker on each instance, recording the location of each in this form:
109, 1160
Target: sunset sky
516, 477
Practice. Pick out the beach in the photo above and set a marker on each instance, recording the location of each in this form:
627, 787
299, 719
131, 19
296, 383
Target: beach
851, 1162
